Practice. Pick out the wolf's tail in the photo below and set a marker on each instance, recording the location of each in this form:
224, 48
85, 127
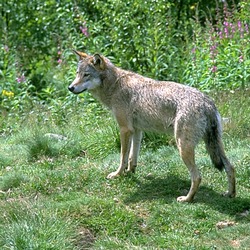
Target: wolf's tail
214, 143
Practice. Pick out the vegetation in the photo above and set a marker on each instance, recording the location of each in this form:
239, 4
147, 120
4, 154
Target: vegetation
190, 41
55, 195
56, 148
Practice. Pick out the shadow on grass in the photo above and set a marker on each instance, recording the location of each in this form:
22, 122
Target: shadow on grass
169, 188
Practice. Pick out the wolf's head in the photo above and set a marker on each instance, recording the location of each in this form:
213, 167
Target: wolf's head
88, 74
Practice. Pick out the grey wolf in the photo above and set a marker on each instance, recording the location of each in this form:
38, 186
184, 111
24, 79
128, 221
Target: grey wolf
142, 104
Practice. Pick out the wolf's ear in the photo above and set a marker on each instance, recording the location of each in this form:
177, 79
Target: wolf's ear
99, 61
80, 55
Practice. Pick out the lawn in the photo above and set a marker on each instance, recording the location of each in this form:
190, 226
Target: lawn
54, 193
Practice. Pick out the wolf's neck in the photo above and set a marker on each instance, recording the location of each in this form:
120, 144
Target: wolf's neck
111, 83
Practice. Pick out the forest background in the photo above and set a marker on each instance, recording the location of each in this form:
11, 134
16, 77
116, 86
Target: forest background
199, 43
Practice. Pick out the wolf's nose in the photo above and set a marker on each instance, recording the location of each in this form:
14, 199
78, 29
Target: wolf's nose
71, 88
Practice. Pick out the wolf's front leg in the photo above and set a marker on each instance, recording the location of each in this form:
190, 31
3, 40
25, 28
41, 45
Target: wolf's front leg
126, 138
134, 151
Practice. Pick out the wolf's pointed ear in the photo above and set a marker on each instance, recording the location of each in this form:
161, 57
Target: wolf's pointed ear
99, 61
80, 55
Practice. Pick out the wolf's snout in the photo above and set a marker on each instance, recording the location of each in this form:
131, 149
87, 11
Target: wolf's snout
71, 88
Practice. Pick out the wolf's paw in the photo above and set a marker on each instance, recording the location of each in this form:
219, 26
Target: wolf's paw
113, 175
128, 171
184, 199
229, 194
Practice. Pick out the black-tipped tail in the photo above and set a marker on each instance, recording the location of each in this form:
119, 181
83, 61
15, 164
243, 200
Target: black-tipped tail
214, 143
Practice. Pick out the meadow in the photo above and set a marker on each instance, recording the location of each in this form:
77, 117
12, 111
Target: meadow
55, 195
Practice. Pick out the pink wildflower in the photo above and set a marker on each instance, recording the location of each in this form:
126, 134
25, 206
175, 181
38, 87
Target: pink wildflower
21, 79
241, 58
239, 25
214, 69
84, 29
6, 48
246, 28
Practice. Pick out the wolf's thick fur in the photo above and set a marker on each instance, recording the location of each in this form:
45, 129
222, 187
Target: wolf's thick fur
140, 104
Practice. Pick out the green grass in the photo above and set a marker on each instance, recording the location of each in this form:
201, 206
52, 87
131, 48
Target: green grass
54, 193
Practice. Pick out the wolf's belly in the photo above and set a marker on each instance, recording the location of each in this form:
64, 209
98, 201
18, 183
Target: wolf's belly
160, 124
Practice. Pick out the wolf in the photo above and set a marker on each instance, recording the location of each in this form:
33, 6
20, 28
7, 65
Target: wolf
142, 104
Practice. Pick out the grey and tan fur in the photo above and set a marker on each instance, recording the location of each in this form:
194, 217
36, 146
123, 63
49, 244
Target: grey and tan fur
143, 104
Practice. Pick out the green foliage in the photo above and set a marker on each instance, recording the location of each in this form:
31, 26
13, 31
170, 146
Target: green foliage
161, 39
218, 57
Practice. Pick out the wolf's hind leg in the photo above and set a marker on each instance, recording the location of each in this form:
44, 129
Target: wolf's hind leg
188, 156
134, 151
230, 171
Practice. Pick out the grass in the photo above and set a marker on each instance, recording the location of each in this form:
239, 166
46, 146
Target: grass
54, 193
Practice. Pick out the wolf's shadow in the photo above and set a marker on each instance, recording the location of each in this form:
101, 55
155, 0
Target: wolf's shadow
172, 186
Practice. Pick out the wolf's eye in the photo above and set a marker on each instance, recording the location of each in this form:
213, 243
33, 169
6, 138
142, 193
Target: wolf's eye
86, 74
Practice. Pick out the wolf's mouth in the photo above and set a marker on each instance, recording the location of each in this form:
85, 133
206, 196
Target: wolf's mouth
72, 89
80, 91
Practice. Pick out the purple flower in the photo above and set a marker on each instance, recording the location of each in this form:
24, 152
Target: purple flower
84, 29
233, 29
213, 50
6, 48
226, 32
220, 34
21, 79
59, 61
241, 58
239, 25
214, 69
225, 23
246, 28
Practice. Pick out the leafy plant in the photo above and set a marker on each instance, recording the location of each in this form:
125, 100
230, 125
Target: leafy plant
219, 58
164, 40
